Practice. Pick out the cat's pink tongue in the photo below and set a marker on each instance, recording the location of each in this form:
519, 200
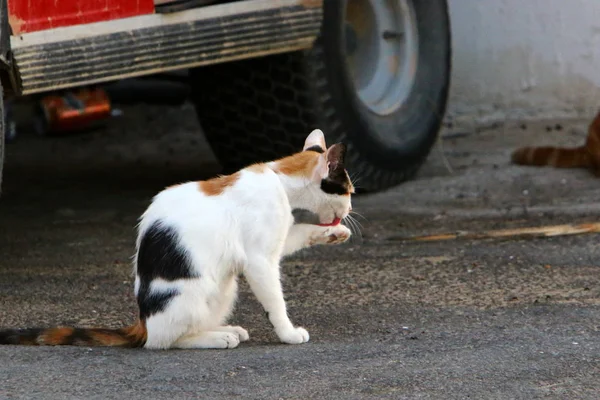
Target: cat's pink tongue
334, 223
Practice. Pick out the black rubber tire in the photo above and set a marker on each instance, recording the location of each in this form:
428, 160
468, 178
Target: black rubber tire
261, 109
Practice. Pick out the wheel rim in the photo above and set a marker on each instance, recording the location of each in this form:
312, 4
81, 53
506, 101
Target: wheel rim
381, 51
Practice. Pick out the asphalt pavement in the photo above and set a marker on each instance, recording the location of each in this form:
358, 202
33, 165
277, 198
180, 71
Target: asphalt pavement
509, 318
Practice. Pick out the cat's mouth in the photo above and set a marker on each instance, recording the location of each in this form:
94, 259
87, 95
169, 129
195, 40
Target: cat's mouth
335, 222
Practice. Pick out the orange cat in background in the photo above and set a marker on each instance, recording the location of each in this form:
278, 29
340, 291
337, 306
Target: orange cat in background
586, 156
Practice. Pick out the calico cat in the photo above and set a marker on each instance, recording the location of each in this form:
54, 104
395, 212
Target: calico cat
586, 156
196, 238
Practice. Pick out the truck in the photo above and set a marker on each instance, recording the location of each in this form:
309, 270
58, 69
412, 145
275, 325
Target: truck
373, 74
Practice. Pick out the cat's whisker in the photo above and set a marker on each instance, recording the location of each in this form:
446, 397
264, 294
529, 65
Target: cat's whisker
360, 215
350, 226
356, 221
357, 225
356, 183
355, 175
355, 179
354, 226
346, 221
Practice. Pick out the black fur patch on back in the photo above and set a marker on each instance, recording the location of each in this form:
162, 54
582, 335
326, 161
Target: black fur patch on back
153, 303
160, 256
316, 148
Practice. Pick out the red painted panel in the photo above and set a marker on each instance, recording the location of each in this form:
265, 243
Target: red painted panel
37, 15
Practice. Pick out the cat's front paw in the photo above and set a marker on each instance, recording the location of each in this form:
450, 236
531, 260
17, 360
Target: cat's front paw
338, 234
294, 336
331, 235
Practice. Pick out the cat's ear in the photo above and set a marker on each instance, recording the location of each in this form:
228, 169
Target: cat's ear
335, 156
322, 169
331, 162
315, 139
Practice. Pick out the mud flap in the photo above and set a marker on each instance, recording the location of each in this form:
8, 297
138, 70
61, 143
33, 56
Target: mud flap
1, 152
2, 138
5, 76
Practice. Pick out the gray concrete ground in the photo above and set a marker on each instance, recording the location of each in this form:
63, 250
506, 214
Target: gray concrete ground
478, 319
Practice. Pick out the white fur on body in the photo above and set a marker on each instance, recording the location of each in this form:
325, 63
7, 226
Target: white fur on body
246, 229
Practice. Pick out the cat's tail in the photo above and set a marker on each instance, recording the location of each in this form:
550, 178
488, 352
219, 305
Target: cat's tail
577, 157
131, 336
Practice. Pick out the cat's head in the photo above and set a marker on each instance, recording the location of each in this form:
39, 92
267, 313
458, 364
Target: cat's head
319, 179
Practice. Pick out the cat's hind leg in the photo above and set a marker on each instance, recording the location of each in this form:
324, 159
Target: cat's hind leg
192, 314
224, 308
238, 330
163, 332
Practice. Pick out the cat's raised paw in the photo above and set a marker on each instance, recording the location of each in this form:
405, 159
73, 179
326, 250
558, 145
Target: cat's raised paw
338, 234
294, 336
331, 235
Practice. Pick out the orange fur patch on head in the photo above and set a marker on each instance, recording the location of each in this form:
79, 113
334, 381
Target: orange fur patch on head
216, 186
302, 164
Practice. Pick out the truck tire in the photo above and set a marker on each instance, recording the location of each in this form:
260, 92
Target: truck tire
376, 79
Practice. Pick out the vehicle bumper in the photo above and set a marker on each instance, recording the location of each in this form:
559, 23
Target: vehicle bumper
104, 51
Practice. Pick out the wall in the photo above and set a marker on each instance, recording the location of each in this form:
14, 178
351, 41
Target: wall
524, 58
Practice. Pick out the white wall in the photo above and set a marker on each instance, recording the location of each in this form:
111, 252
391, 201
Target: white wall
524, 58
